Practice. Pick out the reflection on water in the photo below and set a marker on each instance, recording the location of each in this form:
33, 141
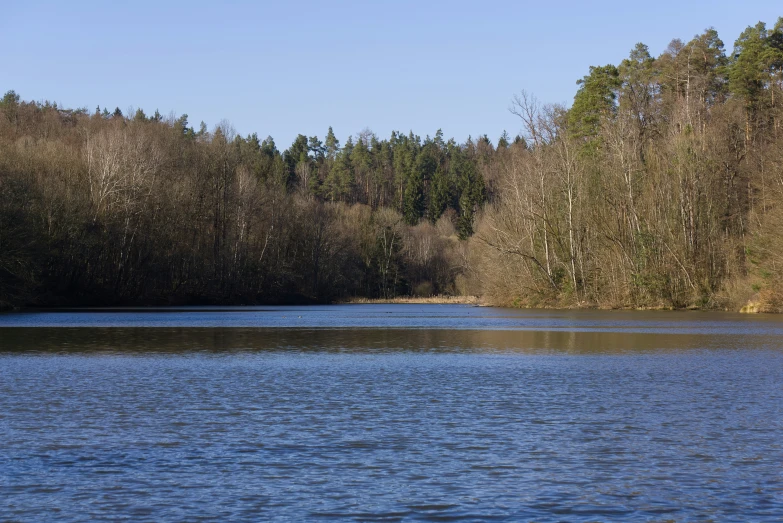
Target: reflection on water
450, 317
593, 417
233, 340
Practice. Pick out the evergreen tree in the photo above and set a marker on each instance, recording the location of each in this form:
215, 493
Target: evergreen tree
594, 100
439, 139
470, 190
403, 156
757, 63
181, 125
747, 70
439, 194
340, 181
316, 148
332, 145
361, 162
268, 148
414, 198
9, 105
503, 141
298, 152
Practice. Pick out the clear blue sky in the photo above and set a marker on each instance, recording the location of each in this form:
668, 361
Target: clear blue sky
284, 68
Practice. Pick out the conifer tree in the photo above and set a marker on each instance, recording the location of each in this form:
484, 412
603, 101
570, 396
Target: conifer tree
332, 145
503, 141
594, 100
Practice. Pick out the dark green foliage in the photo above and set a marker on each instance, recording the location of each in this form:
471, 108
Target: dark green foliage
10, 99
413, 198
470, 190
748, 68
440, 194
420, 175
181, 126
339, 183
594, 100
756, 62
332, 144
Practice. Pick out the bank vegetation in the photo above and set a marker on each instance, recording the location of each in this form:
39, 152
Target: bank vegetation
660, 187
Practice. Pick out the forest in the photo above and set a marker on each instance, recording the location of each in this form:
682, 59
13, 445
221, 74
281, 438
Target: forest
661, 186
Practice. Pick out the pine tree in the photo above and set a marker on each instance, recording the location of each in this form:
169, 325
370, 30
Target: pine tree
340, 181
757, 63
414, 197
293, 156
439, 139
503, 141
594, 100
439, 194
332, 145
472, 192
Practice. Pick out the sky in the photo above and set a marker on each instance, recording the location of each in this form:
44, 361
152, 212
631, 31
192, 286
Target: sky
285, 68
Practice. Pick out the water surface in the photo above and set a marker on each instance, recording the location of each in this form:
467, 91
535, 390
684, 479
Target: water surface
390, 413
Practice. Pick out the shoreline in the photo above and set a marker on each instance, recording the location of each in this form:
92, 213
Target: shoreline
751, 307
415, 300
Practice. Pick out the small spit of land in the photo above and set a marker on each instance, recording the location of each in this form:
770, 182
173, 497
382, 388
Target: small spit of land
463, 300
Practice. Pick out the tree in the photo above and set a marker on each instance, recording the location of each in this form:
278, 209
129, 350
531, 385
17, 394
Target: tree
9, 104
748, 66
181, 127
471, 190
503, 141
638, 93
595, 100
340, 181
413, 197
10, 99
294, 155
332, 145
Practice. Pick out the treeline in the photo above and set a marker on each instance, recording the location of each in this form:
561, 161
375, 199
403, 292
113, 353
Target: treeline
106, 208
661, 186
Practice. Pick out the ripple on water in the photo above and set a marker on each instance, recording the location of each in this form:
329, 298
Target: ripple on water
390, 426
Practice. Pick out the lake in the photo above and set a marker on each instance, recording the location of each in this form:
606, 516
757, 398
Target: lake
390, 413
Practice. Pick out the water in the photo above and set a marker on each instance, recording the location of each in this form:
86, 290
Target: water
389, 413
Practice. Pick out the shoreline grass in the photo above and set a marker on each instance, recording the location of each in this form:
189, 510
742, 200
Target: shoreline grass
419, 300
